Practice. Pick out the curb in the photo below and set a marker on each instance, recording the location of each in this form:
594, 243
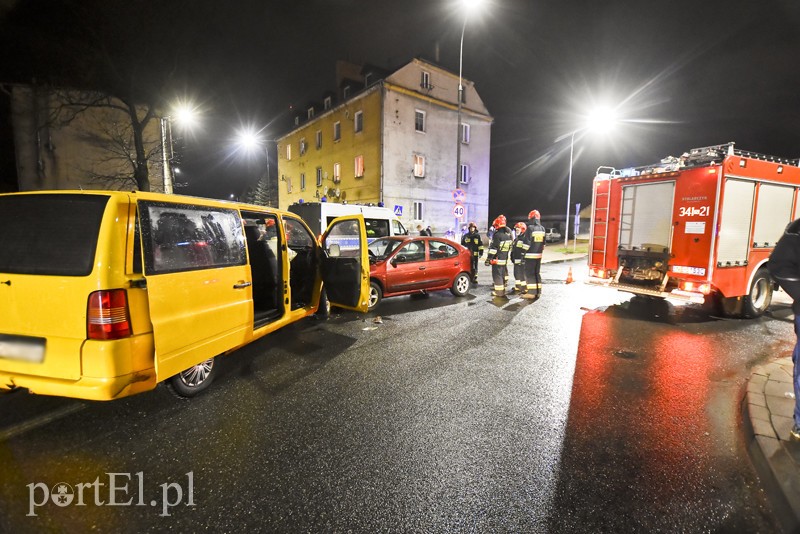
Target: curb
764, 417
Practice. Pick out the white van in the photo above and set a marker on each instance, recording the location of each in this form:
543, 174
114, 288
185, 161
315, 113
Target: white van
380, 221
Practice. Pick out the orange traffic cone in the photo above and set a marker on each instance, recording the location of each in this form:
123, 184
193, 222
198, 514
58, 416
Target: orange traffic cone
569, 276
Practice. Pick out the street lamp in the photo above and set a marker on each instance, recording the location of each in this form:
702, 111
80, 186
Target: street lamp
600, 117
469, 7
251, 140
185, 116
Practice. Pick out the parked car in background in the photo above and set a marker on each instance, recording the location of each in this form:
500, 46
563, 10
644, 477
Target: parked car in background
406, 265
552, 235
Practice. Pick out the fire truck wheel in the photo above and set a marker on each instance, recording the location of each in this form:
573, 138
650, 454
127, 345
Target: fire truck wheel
759, 298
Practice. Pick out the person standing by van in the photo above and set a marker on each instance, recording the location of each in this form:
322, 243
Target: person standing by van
473, 241
784, 266
497, 256
533, 244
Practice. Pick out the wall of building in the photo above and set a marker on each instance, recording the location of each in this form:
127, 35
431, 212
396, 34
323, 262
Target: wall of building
366, 143
51, 154
404, 95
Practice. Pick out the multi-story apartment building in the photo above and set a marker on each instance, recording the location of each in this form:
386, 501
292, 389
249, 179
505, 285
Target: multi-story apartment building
390, 138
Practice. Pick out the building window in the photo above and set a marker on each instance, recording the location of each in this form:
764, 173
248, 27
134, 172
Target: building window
337, 130
418, 210
465, 133
419, 120
319, 139
359, 167
310, 113
337, 173
327, 102
302, 181
297, 120
302, 146
464, 175
419, 166
346, 92
319, 176
289, 152
425, 80
358, 121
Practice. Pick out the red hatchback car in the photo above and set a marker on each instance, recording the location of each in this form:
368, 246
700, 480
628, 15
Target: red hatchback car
404, 265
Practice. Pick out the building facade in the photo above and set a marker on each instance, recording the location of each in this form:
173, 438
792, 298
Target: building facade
390, 138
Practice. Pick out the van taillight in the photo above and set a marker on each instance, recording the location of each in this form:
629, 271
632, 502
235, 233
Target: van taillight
108, 316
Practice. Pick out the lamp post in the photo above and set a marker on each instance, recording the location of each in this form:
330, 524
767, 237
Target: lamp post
250, 140
469, 7
185, 115
599, 117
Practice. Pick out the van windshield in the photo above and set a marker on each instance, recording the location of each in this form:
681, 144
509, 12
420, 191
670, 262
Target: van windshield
49, 234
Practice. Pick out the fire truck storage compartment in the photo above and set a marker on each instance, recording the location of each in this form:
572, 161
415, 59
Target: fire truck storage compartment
646, 217
773, 209
735, 221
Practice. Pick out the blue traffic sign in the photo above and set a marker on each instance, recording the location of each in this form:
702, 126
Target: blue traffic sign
398, 210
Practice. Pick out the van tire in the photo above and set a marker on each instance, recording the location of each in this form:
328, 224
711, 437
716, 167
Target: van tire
759, 297
193, 380
375, 296
460, 285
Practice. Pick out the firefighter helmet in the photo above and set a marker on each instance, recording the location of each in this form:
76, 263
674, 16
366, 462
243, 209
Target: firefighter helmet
500, 221
472, 225
534, 214
520, 227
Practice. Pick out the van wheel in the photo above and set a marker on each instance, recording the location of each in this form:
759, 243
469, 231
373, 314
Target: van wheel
193, 380
460, 285
760, 296
375, 295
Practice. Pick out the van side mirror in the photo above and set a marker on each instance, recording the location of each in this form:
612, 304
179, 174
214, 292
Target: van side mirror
334, 251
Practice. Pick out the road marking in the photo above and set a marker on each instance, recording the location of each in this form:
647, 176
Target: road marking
40, 421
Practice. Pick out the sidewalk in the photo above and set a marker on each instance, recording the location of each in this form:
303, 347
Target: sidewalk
767, 411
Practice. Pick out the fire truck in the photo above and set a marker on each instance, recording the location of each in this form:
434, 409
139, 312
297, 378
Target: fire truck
696, 228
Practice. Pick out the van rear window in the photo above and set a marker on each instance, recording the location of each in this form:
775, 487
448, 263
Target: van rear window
49, 234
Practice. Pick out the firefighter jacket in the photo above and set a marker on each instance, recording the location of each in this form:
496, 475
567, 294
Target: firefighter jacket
518, 250
533, 240
784, 264
500, 246
474, 243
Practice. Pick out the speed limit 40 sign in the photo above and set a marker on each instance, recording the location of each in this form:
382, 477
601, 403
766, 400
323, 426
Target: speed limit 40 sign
459, 211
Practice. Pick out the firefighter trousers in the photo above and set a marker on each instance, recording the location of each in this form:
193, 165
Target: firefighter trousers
474, 262
499, 279
533, 278
519, 276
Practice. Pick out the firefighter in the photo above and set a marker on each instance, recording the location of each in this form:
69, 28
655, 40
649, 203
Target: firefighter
497, 256
518, 258
473, 241
533, 245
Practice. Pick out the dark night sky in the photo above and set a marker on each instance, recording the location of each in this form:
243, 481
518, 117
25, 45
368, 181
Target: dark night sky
683, 74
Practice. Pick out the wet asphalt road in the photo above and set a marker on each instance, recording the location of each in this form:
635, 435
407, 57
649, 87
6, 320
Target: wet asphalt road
582, 412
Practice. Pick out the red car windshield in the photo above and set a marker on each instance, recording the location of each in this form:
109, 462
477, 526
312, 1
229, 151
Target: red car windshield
380, 249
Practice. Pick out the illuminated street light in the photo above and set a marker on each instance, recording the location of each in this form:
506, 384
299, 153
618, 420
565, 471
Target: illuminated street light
250, 141
602, 117
470, 7
185, 116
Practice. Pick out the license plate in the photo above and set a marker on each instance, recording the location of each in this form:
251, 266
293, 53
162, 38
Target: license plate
21, 348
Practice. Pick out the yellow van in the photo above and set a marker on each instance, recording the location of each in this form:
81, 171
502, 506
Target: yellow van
105, 294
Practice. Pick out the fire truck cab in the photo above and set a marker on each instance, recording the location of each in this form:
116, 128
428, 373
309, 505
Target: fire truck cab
697, 228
